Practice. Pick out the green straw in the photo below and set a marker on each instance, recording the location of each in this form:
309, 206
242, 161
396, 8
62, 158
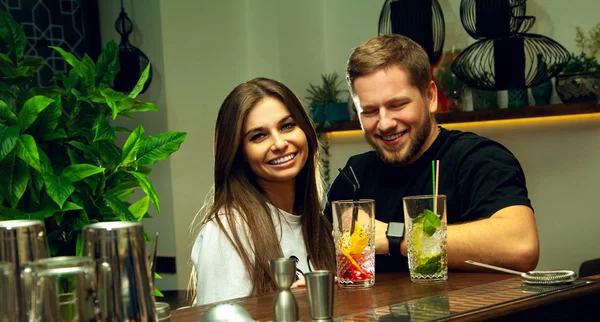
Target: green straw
433, 177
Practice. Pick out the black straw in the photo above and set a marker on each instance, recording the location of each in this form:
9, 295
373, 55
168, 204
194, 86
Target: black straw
356, 186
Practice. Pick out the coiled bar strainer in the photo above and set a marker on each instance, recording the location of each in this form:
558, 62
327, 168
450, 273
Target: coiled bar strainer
535, 277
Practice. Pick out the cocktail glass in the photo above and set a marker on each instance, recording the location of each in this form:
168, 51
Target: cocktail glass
354, 236
425, 221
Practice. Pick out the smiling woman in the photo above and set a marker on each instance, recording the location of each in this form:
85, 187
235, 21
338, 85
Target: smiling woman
265, 202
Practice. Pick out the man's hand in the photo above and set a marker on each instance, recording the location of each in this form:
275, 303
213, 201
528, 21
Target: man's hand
381, 241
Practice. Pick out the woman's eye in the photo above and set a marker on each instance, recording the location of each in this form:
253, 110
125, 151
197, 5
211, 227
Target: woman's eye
257, 137
288, 126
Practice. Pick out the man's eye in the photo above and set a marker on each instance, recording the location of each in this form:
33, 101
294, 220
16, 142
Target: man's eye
368, 112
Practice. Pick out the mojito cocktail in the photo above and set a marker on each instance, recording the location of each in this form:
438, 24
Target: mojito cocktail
426, 238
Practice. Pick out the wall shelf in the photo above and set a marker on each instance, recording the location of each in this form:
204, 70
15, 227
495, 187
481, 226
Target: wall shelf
490, 115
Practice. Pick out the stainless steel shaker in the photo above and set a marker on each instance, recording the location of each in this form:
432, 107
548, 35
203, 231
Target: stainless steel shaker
283, 272
60, 289
125, 284
319, 290
22, 241
8, 293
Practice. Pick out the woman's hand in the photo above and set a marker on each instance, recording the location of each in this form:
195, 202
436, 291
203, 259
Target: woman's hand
299, 283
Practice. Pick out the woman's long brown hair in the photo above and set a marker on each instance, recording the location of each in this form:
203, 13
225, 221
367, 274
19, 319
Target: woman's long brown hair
237, 193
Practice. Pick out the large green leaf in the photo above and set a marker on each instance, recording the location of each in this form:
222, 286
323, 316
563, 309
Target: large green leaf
128, 105
77, 172
13, 36
124, 190
36, 183
108, 152
7, 68
82, 69
118, 207
140, 207
48, 119
79, 244
107, 65
15, 176
111, 97
141, 82
58, 134
160, 147
148, 188
58, 188
89, 62
31, 110
32, 61
80, 220
45, 164
131, 145
27, 150
7, 114
8, 139
104, 131
9, 213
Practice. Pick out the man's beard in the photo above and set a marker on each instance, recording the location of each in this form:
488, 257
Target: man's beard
416, 143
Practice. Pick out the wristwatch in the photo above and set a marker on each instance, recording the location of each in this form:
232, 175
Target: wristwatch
394, 234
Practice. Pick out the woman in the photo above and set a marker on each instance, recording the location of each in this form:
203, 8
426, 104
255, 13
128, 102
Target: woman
266, 201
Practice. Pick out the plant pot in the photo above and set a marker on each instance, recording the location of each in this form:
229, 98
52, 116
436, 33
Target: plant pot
517, 98
337, 112
577, 87
317, 113
484, 100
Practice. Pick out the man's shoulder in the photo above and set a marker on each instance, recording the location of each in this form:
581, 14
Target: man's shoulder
459, 142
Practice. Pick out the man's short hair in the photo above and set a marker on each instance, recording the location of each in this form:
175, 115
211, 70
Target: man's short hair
386, 51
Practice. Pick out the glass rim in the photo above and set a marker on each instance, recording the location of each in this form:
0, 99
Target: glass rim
422, 197
352, 201
65, 264
110, 225
20, 223
320, 272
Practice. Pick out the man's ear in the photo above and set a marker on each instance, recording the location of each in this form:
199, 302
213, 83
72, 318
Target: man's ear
432, 97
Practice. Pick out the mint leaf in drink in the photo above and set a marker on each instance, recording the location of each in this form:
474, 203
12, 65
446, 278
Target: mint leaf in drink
431, 266
431, 222
420, 218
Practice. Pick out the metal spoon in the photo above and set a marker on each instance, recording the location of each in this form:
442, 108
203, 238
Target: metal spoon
535, 277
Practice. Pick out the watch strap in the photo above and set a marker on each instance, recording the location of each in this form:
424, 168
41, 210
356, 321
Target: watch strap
394, 245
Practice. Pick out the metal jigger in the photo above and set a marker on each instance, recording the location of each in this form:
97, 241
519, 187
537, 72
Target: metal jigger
319, 290
283, 272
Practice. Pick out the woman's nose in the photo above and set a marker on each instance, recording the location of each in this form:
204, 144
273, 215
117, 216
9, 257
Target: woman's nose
279, 142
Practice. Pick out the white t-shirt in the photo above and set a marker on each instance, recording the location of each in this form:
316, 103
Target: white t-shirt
221, 272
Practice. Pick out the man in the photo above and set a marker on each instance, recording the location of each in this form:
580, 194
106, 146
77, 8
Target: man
490, 217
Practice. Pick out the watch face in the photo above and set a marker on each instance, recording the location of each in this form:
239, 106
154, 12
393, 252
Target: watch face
395, 229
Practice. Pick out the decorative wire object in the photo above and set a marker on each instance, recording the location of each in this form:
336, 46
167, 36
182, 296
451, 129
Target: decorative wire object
480, 67
419, 20
484, 19
132, 60
505, 57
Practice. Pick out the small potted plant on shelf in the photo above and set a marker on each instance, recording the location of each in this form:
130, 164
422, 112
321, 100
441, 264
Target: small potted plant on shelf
325, 106
579, 80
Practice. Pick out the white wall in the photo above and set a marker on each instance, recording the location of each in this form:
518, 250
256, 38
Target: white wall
202, 49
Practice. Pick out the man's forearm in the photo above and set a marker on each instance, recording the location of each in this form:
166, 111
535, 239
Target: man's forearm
508, 239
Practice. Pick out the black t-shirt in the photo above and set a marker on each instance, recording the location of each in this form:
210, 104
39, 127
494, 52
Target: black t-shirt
477, 175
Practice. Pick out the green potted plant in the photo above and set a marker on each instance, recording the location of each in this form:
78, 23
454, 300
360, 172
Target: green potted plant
578, 81
325, 105
58, 156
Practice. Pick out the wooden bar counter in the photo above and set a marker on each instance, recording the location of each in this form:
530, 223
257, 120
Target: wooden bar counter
465, 297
